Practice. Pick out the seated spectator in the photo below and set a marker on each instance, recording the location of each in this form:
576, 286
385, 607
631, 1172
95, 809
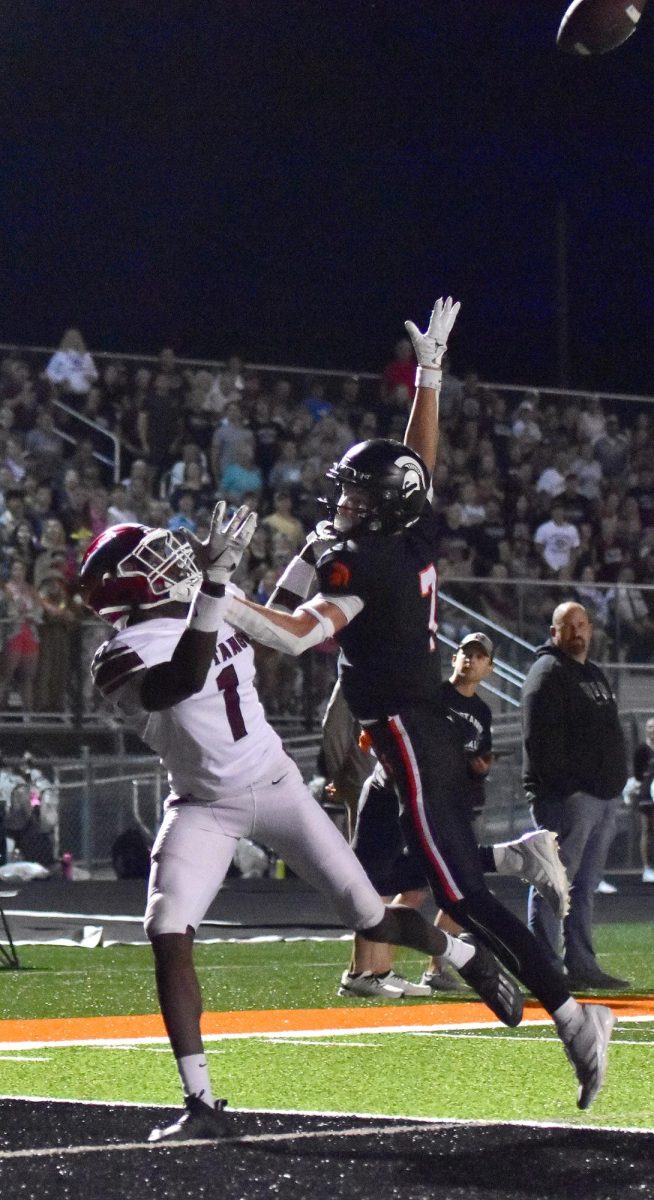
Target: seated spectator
12, 456
368, 426
54, 553
184, 510
576, 506
71, 370
612, 553
557, 542
14, 512
588, 471
197, 481
286, 472
525, 427
23, 545
282, 520
472, 512
241, 476
98, 510
552, 478
315, 399
190, 454
500, 597
120, 510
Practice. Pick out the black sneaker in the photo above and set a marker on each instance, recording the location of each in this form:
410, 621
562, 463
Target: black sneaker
490, 981
583, 981
199, 1121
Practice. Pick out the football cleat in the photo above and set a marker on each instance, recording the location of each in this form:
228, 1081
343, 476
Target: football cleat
408, 988
367, 984
199, 1121
535, 858
492, 983
587, 1050
441, 981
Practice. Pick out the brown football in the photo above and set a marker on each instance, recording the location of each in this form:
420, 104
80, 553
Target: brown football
597, 26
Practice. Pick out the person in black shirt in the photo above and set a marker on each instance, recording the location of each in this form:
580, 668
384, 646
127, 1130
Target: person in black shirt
378, 597
574, 769
643, 769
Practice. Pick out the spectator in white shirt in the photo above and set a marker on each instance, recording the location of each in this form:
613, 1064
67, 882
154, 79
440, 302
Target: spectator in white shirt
557, 542
71, 369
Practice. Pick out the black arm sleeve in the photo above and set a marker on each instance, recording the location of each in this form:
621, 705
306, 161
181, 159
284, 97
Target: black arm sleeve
168, 683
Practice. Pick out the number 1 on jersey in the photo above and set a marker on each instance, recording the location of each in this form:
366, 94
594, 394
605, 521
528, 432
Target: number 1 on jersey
227, 683
429, 587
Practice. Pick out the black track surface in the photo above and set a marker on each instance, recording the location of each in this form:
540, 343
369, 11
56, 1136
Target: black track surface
315, 1157
249, 907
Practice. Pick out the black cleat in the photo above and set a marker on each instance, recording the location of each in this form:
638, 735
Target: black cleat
199, 1121
492, 983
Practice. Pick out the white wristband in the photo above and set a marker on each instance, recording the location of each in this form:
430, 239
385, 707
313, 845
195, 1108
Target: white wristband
429, 377
207, 613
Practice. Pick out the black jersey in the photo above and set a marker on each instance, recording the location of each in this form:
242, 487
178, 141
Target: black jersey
389, 652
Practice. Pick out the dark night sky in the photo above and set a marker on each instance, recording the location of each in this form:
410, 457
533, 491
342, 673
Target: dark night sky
293, 178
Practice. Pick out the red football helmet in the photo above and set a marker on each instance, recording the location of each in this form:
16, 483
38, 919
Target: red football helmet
131, 566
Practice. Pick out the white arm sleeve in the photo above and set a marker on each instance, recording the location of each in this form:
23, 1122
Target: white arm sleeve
259, 626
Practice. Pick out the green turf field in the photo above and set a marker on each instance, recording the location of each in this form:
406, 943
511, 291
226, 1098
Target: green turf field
471, 1073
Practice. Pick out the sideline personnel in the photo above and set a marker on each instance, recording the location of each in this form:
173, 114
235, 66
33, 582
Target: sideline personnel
574, 769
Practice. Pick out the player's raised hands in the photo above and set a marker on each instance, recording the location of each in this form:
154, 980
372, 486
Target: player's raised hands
431, 345
219, 556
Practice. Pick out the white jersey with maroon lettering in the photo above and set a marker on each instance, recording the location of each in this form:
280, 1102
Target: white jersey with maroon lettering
212, 744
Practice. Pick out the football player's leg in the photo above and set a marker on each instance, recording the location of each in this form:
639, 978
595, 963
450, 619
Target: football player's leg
190, 859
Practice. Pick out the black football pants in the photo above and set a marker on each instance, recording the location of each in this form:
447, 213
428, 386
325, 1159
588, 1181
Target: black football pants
421, 751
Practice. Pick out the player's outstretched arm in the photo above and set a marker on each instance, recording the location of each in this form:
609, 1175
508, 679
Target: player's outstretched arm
422, 427
169, 683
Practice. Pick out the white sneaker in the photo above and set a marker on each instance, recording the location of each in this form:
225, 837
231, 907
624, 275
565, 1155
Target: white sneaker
604, 888
587, 1050
535, 858
367, 984
647, 875
408, 988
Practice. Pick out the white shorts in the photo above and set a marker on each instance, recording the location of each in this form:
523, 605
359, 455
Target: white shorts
196, 843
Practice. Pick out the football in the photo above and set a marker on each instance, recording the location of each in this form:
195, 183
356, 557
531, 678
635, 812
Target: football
597, 26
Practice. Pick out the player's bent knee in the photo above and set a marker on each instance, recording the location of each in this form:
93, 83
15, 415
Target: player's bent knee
163, 916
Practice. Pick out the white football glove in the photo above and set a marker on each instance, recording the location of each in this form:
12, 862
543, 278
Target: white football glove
226, 542
431, 345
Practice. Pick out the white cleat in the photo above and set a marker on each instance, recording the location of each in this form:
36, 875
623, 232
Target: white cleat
408, 988
587, 1050
535, 858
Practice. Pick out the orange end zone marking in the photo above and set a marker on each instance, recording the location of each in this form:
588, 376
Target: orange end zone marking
281, 1021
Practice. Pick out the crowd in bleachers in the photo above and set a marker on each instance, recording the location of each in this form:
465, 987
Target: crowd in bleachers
526, 490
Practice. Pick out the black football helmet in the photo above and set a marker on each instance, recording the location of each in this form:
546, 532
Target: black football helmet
392, 479
131, 566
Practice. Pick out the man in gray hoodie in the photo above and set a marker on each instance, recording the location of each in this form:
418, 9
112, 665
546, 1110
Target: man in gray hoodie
574, 769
